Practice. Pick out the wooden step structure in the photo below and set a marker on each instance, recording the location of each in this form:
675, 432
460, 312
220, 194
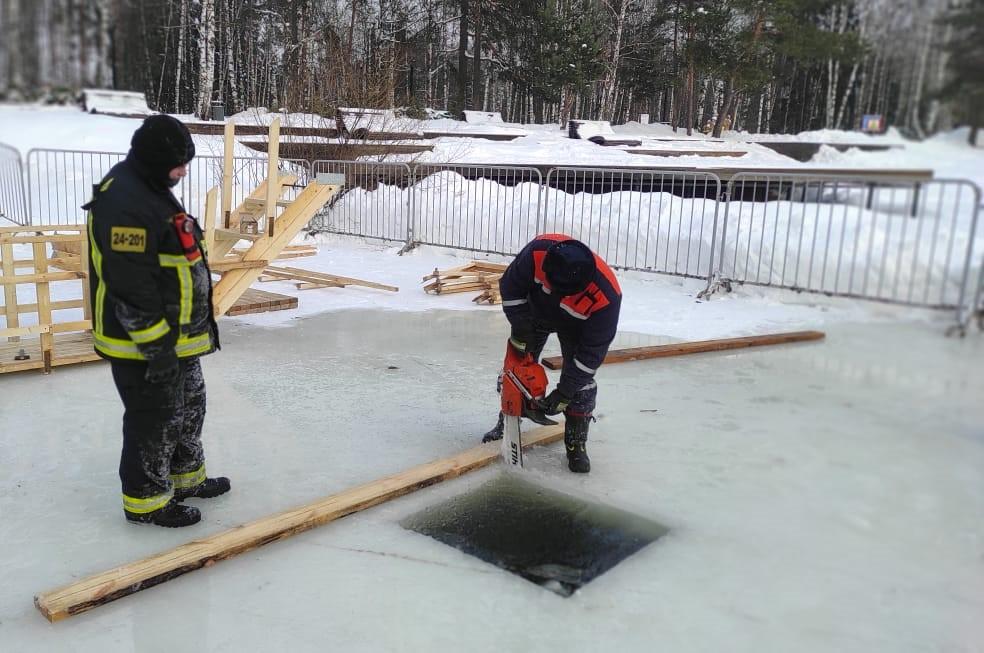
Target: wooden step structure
474, 276
51, 342
256, 220
100, 589
696, 347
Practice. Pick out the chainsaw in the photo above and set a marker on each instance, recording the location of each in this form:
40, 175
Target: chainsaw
524, 384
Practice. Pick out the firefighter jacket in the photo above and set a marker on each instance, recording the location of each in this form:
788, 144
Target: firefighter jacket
591, 316
151, 289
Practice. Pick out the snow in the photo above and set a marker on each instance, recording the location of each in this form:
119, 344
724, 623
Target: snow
123, 102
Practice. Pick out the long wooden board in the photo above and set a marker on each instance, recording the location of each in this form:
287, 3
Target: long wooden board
108, 586
682, 348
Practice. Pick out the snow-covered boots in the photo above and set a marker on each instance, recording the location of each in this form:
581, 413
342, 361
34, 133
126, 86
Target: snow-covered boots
575, 441
173, 515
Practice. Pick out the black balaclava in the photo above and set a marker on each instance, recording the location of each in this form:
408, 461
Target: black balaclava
159, 145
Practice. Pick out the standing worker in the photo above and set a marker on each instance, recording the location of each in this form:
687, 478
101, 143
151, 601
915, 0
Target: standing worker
558, 285
152, 319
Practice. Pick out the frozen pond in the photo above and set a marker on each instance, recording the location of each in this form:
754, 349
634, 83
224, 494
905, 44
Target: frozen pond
824, 496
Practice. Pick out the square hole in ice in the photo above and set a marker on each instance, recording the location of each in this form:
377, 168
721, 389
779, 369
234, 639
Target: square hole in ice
556, 540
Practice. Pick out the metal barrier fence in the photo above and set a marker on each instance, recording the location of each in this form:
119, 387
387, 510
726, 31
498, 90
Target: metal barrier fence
13, 200
911, 244
902, 244
650, 220
374, 203
480, 208
59, 182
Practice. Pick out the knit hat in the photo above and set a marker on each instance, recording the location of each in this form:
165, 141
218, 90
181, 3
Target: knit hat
569, 266
161, 144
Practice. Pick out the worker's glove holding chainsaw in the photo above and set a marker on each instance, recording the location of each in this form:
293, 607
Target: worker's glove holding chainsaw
555, 402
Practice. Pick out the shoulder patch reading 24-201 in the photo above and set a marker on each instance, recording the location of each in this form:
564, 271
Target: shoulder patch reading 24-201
128, 239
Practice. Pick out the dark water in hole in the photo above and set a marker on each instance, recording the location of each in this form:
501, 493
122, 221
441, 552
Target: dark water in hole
553, 539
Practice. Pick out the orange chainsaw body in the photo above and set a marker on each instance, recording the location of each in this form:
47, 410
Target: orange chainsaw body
524, 382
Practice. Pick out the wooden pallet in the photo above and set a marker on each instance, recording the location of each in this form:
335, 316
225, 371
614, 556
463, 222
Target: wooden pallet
261, 301
475, 276
51, 342
67, 349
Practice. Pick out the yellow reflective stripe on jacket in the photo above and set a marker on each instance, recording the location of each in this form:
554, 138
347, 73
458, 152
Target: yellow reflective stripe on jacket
127, 349
150, 504
189, 479
101, 286
182, 266
116, 347
150, 333
192, 346
105, 186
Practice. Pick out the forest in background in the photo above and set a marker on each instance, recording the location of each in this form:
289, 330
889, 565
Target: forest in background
755, 65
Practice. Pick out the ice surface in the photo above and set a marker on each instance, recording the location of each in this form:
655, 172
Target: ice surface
823, 496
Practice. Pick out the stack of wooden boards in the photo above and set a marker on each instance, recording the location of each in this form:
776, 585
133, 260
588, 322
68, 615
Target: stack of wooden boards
476, 275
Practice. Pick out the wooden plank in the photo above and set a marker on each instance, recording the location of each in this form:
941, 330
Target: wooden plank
41, 277
261, 301
307, 285
209, 220
53, 228
42, 289
108, 586
318, 277
274, 188
61, 305
227, 264
700, 346
27, 240
228, 161
11, 313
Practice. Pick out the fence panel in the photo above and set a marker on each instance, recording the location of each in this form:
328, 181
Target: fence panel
13, 198
374, 203
651, 220
60, 181
908, 244
482, 208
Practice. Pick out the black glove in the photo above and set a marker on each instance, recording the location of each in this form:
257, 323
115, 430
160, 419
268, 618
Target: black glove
555, 402
163, 368
522, 336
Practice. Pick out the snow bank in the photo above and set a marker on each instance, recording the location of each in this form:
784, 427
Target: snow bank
119, 102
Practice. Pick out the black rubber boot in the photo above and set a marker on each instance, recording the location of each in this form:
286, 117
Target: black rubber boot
575, 441
173, 515
210, 487
496, 432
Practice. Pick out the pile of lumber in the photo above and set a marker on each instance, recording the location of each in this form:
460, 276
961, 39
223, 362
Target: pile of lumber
475, 276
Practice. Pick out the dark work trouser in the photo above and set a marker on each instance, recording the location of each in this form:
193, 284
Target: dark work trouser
584, 400
162, 428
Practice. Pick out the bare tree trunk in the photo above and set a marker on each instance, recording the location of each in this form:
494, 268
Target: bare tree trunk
462, 91
476, 80
182, 37
206, 59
